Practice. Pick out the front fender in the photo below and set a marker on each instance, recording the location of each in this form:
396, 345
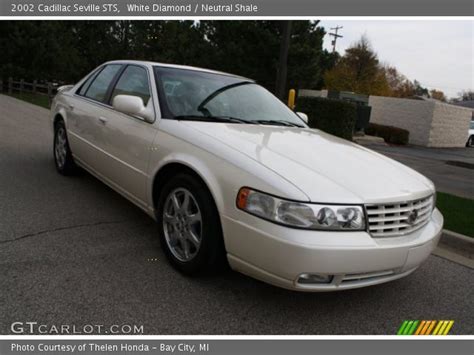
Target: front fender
223, 169
195, 164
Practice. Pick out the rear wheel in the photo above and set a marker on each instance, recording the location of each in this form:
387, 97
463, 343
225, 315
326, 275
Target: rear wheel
189, 226
62, 152
470, 141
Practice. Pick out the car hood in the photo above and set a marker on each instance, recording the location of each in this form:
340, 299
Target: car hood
324, 167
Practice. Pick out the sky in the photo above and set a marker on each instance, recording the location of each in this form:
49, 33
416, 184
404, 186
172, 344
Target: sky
437, 53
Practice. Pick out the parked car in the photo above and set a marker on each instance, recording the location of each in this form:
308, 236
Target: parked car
470, 139
231, 174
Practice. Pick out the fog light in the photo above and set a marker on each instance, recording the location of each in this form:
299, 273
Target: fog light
314, 279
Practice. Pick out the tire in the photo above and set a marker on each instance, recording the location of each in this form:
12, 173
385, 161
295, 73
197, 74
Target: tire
190, 233
62, 152
470, 141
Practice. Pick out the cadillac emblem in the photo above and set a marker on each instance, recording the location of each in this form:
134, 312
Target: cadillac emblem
412, 217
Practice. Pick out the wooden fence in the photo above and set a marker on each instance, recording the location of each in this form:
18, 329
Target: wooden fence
11, 86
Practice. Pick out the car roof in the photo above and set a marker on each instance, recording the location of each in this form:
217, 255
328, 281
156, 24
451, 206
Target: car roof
175, 66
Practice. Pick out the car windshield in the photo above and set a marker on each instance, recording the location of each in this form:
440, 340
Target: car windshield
202, 96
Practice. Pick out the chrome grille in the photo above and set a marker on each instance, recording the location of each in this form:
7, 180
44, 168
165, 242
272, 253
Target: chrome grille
395, 219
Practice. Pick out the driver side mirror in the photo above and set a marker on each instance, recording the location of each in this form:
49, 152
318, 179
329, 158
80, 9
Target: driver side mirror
303, 116
134, 106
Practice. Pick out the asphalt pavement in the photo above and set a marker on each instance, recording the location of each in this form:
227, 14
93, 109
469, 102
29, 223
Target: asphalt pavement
72, 251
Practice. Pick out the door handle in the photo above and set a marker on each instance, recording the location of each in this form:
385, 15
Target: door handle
103, 120
71, 107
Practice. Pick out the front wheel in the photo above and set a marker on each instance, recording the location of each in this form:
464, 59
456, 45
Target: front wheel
189, 226
470, 141
62, 152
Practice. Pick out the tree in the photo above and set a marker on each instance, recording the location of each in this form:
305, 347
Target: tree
251, 49
400, 85
438, 95
65, 51
307, 60
37, 50
359, 71
247, 48
466, 95
420, 90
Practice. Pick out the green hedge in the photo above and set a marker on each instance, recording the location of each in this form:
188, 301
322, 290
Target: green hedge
390, 134
335, 117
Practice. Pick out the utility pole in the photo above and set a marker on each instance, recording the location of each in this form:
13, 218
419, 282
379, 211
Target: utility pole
283, 60
336, 36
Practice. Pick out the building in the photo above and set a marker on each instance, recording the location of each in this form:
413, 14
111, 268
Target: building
467, 104
431, 123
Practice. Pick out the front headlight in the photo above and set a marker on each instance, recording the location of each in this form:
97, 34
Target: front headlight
300, 214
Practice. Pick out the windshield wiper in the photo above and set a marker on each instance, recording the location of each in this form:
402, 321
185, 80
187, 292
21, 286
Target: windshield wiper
234, 119
202, 108
280, 123
227, 119
230, 119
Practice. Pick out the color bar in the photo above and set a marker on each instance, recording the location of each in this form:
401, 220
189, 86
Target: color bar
438, 327
448, 327
413, 327
420, 327
407, 328
431, 327
425, 328
402, 327
443, 327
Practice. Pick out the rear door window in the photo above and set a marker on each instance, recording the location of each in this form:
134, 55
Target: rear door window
88, 81
133, 81
98, 89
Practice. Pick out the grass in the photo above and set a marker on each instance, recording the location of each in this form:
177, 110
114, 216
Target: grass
458, 213
35, 99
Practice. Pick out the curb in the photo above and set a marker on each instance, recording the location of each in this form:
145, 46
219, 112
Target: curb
369, 140
460, 237
456, 247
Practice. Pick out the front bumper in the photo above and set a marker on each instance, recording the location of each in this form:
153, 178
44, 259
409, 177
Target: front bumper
280, 255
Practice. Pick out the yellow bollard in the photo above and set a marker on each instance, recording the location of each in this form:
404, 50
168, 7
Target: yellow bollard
291, 99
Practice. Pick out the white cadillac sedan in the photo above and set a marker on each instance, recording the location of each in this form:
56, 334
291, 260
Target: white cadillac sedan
231, 173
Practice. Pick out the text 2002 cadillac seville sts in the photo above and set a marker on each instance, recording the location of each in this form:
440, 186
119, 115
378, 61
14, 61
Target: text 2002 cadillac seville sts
228, 171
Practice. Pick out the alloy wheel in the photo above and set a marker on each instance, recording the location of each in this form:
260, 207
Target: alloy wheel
182, 224
60, 147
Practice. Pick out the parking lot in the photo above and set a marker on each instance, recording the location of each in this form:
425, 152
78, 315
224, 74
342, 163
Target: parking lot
451, 169
72, 251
